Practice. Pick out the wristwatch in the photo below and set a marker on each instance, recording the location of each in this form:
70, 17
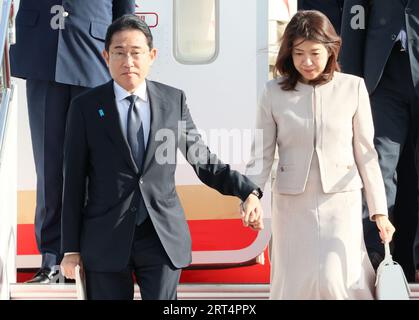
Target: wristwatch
258, 193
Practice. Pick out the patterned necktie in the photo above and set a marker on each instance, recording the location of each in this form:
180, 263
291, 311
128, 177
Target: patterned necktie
135, 133
135, 137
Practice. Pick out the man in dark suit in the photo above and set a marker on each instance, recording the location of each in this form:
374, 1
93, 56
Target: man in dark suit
123, 136
331, 8
58, 51
380, 43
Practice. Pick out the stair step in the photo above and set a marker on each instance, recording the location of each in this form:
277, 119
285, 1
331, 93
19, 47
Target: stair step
185, 291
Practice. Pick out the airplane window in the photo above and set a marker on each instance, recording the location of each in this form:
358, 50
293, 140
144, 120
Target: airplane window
195, 31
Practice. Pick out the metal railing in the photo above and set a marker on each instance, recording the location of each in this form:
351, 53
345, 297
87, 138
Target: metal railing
6, 88
7, 156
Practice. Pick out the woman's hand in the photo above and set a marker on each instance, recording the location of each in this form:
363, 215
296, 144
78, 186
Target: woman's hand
385, 227
253, 218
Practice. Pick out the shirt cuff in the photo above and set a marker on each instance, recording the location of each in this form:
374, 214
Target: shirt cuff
68, 253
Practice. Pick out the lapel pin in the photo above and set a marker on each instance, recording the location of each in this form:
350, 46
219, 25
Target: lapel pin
101, 113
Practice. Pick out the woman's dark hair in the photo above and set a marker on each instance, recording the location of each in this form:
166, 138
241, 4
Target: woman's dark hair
308, 25
128, 22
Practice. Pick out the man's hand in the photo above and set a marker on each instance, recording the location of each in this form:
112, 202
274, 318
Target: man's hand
252, 213
68, 265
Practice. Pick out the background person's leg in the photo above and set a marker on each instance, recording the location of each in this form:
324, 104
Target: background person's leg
48, 104
391, 113
405, 210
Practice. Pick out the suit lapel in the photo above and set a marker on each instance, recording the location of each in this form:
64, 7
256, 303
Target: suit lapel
157, 104
113, 125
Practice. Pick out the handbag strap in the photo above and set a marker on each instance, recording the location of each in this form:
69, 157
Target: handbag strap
388, 257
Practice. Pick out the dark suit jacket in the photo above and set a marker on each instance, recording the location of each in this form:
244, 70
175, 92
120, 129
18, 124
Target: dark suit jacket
69, 56
365, 51
103, 228
331, 8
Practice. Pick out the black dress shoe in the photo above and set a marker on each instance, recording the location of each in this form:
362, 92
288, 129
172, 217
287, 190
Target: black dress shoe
375, 259
45, 276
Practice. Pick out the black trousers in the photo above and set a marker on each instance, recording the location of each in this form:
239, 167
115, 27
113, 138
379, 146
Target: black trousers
395, 108
48, 103
155, 274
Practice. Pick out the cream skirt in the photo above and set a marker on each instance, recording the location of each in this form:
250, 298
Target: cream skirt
318, 249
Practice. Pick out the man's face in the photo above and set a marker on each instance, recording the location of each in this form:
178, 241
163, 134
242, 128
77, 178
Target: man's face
129, 58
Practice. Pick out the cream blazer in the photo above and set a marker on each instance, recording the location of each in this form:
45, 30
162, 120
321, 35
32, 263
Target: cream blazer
334, 120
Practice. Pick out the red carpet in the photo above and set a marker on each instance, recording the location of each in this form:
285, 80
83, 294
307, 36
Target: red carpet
206, 235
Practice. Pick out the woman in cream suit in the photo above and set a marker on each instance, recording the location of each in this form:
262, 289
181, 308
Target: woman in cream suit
321, 122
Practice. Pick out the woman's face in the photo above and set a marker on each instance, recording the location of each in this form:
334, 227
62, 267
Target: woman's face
310, 58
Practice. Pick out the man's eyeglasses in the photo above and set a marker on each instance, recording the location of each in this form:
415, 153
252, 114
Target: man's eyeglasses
135, 55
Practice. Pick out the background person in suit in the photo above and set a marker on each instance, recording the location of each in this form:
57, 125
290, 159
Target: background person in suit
386, 53
320, 120
133, 220
58, 51
331, 8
